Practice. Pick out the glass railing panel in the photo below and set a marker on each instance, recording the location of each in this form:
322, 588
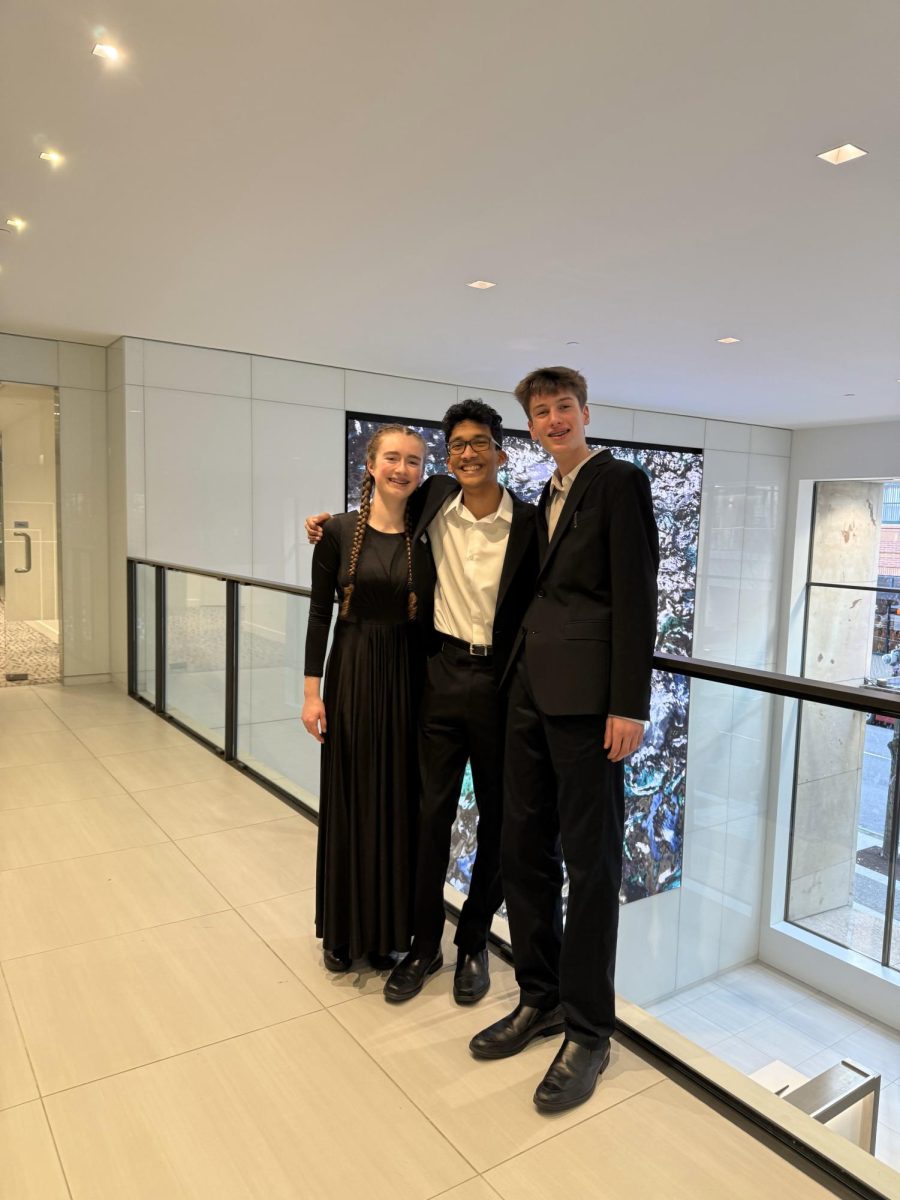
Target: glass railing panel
271, 738
840, 850
145, 631
196, 652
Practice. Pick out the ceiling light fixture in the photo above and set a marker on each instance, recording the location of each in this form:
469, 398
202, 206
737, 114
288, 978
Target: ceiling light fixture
104, 50
17, 223
53, 157
842, 154
481, 284
727, 341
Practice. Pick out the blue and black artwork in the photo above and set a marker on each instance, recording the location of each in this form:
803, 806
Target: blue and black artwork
655, 774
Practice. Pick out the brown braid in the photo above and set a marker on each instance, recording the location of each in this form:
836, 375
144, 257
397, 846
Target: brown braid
362, 521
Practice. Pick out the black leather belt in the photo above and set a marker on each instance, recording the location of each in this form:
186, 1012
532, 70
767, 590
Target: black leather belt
471, 648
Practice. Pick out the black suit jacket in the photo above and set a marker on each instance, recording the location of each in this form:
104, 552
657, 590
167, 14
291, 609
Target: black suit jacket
590, 631
520, 564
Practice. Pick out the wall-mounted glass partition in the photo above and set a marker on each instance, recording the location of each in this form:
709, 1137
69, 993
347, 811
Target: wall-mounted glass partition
145, 631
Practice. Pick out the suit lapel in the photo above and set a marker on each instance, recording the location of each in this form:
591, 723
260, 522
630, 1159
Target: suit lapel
577, 490
520, 533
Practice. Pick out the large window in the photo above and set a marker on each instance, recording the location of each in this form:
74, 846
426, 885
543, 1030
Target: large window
843, 878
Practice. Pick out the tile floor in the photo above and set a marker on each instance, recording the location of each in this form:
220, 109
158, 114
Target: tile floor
168, 1031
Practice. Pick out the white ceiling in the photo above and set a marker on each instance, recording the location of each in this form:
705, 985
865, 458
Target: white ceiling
320, 180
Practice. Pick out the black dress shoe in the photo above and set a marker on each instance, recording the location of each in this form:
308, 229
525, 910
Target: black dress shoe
381, 962
408, 977
512, 1033
572, 1076
337, 959
472, 978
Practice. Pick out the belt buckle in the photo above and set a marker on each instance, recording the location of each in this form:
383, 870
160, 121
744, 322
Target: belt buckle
478, 651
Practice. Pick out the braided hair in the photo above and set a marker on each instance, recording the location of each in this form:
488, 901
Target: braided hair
362, 522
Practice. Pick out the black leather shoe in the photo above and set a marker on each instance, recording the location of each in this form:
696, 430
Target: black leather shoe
408, 977
472, 978
337, 959
381, 962
512, 1033
572, 1076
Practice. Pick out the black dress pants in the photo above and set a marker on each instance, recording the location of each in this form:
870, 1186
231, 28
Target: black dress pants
563, 798
461, 720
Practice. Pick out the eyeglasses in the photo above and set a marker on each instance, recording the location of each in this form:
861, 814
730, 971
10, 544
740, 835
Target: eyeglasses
479, 443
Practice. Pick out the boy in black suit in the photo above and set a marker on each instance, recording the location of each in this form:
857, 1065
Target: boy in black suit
579, 695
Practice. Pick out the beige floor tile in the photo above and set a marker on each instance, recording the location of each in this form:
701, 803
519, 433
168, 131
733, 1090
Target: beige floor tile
23, 749
484, 1108
15, 699
664, 1142
131, 737
295, 1110
55, 783
474, 1189
28, 720
16, 1079
287, 924
49, 832
257, 862
107, 1006
190, 809
65, 903
30, 1166
187, 763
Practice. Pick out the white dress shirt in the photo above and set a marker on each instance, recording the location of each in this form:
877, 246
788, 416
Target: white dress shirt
468, 554
559, 493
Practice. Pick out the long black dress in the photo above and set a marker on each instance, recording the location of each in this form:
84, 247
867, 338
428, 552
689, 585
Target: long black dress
368, 797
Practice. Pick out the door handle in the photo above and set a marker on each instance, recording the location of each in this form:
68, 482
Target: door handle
27, 536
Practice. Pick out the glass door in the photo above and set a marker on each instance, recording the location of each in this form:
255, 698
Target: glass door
29, 577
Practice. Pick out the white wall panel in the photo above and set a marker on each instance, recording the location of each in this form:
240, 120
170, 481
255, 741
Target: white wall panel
766, 440
298, 468
297, 383
84, 532
82, 366
611, 424
28, 360
190, 369
668, 429
505, 403
198, 480
648, 947
727, 435
389, 396
135, 477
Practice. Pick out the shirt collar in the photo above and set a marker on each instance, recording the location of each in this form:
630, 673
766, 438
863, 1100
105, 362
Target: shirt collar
567, 480
504, 510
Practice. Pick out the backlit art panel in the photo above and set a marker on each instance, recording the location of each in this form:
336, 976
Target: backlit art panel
655, 775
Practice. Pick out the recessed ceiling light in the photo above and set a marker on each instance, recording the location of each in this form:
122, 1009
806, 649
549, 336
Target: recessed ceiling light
842, 154
53, 157
481, 284
17, 223
104, 50
727, 341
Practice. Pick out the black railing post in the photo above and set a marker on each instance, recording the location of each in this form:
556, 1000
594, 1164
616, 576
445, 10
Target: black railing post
160, 622
131, 618
893, 848
232, 624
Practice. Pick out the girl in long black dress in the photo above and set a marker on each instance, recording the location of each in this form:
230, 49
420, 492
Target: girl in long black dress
366, 719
